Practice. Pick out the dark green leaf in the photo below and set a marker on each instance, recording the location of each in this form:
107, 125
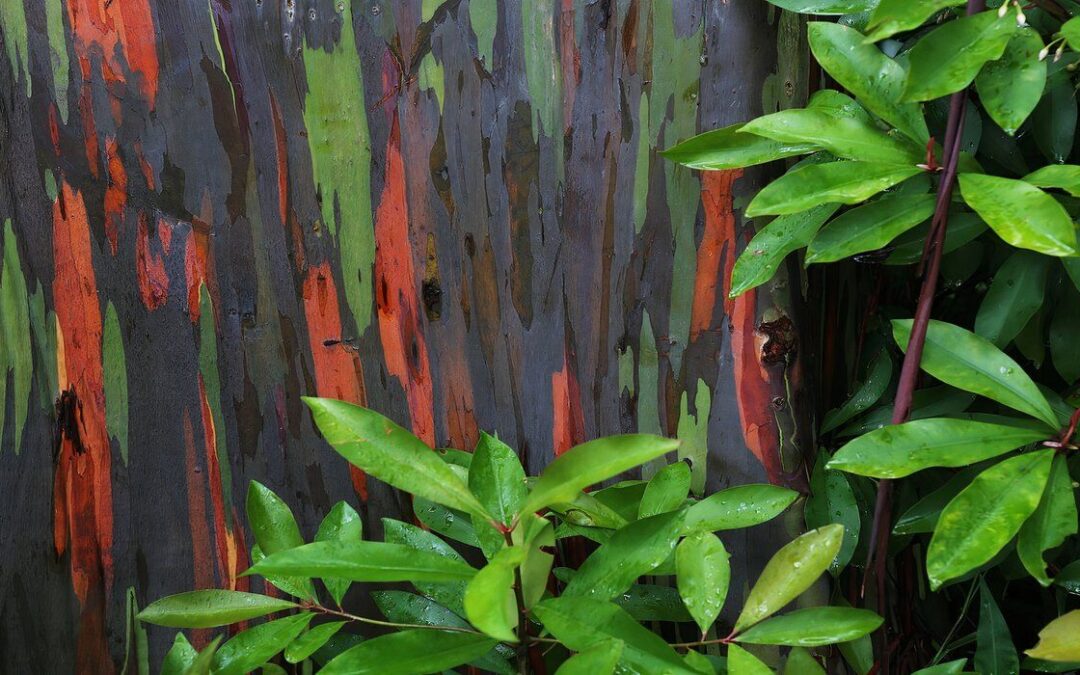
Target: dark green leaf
702, 573
832, 500
844, 136
449, 593
869, 227
666, 491
949, 57
653, 602
995, 652
947, 668
869, 392
895, 16
249, 649
1014, 296
341, 524
738, 507
1059, 176
923, 514
1011, 87
275, 530
600, 659
409, 652
727, 149
1053, 124
763, 255
844, 182
1020, 213
1064, 329
908, 247
813, 627
311, 641
364, 561
205, 609
1053, 521
450, 523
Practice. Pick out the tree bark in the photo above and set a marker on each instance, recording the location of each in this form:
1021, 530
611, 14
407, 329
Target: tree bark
452, 212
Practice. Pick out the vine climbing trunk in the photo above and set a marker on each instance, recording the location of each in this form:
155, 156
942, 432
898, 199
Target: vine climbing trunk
453, 212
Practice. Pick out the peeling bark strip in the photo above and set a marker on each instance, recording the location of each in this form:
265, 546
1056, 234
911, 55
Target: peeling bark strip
453, 212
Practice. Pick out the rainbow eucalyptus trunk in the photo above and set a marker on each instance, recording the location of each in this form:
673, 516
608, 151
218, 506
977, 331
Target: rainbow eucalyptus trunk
452, 212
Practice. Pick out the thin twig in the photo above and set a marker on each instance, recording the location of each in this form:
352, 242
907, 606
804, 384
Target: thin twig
389, 624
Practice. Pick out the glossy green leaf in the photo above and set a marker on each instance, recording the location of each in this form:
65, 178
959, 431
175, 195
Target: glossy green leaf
870, 390
702, 574
1053, 521
653, 602
1057, 640
536, 535
950, 56
489, 597
600, 659
311, 641
1053, 124
738, 507
451, 593
908, 247
843, 182
923, 514
1064, 327
248, 649
451, 523
275, 529
844, 136
497, 478
343, 523
792, 570
1020, 213
813, 627
966, 361
838, 104
895, 16
994, 651
1014, 296
581, 623
947, 668
876, 80
772, 243
666, 491
742, 662
901, 450
205, 659
802, 662
592, 462
869, 227
179, 657
929, 402
825, 7
634, 550
1010, 88
364, 561
1057, 176
727, 149
391, 454
986, 515
409, 652
209, 608
1070, 30
832, 500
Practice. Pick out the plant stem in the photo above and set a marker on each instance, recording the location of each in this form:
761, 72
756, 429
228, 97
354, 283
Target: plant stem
523, 619
389, 624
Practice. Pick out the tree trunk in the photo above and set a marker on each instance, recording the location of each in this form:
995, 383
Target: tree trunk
452, 212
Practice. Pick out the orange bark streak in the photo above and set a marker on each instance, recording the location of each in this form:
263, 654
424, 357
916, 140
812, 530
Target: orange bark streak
115, 193
568, 427
150, 269
107, 25
719, 224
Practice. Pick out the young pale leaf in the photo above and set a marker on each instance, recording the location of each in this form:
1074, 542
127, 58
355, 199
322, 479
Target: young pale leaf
209, 608
843, 182
1053, 521
311, 641
179, 657
825, 7
793, 569
600, 659
1014, 296
966, 361
878, 376
702, 573
895, 16
901, 450
949, 57
1058, 176
727, 149
497, 478
275, 530
391, 454
1011, 87
738, 507
994, 651
986, 515
763, 255
592, 462
666, 491
581, 623
844, 136
410, 651
341, 524
869, 227
874, 79
1020, 213
489, 597
634, 550
832, 500
364, 561
249, 649
1057, 640
742, 662
813, 627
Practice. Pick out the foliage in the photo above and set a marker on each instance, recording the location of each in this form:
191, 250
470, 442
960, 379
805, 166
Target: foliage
509, 607
946, 144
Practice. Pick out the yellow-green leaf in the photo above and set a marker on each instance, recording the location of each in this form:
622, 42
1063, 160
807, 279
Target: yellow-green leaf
1020, 213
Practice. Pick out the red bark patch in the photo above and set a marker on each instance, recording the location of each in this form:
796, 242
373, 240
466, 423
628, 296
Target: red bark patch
568, 424
127, 25
150, 268
115, 193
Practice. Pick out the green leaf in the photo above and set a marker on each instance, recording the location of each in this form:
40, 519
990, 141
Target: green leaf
205, 659
1070, 30
1059, 176
1064, 327
792, 570
877, 380
275, 530
772, 243
802, 662
901, 450
1053, 124
908, 247
702, 574
947, 668
600, 659
832, 500
813, 627
994, 651
452, 524
727, 149
966, 361
738, 507
311, 641
1053, 521
825, 7
1011, 87
1020, 213
1057, 640
581, 623
343, 523
393, 455
895, 16
364, 561
450, 593
537, 536
209, 608
1014, 296
408, 652
874, 78
844, 182
653, 602
742, 662
497, 478
949, 57
869, 227
249, 649
844, 136
986, 515
489, 597
923, 514
592, 462
666, 491
179, 658
634, 550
